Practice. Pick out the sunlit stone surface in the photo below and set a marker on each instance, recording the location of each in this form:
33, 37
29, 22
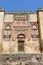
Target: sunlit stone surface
21, 33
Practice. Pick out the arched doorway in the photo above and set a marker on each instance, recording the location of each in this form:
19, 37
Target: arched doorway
21, 40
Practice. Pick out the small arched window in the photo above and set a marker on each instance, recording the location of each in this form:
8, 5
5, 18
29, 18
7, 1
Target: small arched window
34, 26
7, 27
7, 32
34, 31
21, 40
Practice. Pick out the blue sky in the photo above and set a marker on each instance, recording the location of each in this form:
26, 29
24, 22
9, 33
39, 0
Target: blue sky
21, 5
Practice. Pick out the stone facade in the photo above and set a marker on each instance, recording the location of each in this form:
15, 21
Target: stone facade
21, 32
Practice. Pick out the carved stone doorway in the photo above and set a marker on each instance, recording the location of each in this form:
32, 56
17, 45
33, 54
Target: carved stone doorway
21, 40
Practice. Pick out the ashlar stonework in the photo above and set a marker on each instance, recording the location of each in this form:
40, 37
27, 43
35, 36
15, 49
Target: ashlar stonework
21, 33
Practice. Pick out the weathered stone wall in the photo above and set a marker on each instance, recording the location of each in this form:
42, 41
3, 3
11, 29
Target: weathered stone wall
1, 27
11, 46
21, 59
32, 47
8, 17
40, 20
41, 23
33, 17
6, 45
